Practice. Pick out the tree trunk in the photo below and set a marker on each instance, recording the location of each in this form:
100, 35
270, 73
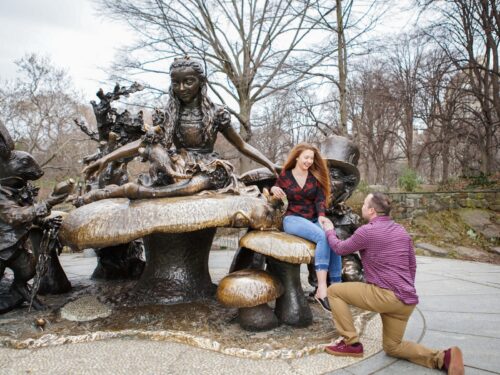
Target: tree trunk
409, 137
342, 61
377, 175
432, 166
246, 164
489, 156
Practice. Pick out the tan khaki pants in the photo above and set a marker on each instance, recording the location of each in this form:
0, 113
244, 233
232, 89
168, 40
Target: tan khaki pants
394, 314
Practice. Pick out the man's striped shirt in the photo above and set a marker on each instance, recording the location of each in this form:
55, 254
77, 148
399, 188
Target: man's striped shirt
387, 255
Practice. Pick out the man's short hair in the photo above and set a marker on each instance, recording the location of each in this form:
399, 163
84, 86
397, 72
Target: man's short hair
381, 203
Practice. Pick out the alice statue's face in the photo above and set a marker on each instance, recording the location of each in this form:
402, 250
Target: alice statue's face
186, 83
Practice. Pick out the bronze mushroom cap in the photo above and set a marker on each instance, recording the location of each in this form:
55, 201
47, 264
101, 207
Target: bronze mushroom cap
248, 288
279, 245
115, 221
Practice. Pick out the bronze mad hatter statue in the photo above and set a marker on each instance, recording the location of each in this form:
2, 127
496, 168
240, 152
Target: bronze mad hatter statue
342, 157
19, 214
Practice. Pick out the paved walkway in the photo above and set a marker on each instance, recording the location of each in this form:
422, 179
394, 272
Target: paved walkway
459, 305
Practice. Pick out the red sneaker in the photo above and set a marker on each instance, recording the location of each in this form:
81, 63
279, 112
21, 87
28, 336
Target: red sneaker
343, 350
453, 361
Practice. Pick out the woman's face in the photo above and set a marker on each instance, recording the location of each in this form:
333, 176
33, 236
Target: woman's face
186, 83
305, 159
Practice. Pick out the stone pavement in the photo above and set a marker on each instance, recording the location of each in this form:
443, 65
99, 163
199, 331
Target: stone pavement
459, 305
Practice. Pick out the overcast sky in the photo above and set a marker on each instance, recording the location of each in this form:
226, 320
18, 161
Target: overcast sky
70, 32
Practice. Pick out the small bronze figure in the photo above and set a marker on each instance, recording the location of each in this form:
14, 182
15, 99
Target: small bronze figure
114, 129
18, 213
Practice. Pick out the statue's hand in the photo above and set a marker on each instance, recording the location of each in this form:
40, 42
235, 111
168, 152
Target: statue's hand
78, 201
41, 210
94, 168
53, 199
343, 208
54, 222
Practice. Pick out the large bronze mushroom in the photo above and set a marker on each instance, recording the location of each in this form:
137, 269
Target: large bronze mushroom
177, 232
250, 291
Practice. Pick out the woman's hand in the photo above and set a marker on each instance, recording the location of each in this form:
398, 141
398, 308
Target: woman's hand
278, 192
325, 223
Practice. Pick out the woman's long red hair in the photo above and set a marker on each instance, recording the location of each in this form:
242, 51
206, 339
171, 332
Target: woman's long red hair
319, 169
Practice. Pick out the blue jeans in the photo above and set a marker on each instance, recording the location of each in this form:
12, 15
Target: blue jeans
324, 258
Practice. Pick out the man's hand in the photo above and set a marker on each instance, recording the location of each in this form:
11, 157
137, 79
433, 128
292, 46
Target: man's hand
325, 223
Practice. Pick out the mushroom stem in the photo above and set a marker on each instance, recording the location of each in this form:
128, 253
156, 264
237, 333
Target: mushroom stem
292, 307
257, 318
246, 258
176, 267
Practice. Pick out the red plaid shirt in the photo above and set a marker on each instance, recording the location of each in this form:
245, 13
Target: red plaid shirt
307, 202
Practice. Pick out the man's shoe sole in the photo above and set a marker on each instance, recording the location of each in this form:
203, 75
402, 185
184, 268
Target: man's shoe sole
456, 362
342, 354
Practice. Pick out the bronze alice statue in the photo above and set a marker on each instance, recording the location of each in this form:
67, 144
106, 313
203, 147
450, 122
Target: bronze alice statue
191, 124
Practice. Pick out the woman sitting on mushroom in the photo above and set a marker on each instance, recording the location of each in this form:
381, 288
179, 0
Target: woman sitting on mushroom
192, 122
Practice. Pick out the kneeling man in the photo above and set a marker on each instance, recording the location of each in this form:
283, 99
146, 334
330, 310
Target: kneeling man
389, 264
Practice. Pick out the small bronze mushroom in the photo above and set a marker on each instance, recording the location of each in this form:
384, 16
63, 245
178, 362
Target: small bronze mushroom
285, 253
40, 323
250, 291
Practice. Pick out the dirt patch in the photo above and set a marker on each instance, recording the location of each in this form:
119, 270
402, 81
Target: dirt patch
459, 230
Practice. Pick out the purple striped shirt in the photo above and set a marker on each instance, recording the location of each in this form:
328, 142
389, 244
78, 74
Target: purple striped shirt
387, 255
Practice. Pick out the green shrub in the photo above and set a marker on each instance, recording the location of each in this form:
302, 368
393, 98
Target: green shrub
408, 180
480, 181
363, 187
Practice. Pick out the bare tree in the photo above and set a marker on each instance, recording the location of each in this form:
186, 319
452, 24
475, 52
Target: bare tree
38, 109
405, 60
290, 117
440, 107
468, 31
258, 47
348, 26
374, 113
